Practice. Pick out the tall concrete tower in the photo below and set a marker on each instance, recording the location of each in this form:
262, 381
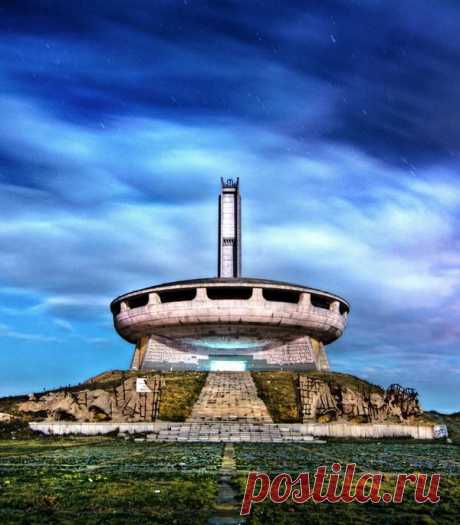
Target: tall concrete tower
229, 240
229, 323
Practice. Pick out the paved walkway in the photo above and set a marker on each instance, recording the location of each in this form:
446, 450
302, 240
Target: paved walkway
230, 396
227, 505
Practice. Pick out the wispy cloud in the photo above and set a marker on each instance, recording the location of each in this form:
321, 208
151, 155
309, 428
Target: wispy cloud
342, 124
6, 331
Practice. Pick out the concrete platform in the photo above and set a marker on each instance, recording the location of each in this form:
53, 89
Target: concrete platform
237, 432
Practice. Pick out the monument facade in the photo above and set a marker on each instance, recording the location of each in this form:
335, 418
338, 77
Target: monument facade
230, 322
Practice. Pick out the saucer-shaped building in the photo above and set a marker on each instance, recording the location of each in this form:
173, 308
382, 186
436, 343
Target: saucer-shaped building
229, 323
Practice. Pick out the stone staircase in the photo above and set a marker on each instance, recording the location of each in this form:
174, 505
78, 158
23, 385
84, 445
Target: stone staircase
226, 432
229, 410
229, 397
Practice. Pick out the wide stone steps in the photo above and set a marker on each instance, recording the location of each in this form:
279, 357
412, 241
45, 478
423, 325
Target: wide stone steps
230, 396
229, 433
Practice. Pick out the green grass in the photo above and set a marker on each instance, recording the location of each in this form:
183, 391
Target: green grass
180, 391
445, 512
387, 457
383, 456
278, 391
346, 381
100, 480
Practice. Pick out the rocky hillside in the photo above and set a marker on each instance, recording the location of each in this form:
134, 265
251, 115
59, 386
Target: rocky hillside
289, 397
112, 396
331, 396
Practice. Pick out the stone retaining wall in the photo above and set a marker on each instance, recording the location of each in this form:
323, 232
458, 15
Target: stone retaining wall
335, 430
90, 429
368, 430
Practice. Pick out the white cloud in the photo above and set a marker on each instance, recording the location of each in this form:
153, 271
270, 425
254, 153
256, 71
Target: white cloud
64, 325
102, 223
6, 331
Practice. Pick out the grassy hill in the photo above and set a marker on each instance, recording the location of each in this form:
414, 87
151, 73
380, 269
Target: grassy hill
277, 389
179, 393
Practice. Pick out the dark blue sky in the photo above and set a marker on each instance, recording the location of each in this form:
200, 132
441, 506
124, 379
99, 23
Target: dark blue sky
341, 118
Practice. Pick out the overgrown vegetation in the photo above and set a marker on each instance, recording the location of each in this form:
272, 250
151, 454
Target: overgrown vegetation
369, 456
408, 512
345, 381
389, 458
9, 404
181, 389
16, 429
100, 481
179, 393
278, 391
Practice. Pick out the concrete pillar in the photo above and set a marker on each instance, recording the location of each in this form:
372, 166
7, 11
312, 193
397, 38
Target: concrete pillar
135, 361
257, 295
201, 294
154, 298
320, 356
323, 362
139, 353
305, 299
335, 306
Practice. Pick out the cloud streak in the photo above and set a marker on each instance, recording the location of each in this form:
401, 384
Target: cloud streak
340, 121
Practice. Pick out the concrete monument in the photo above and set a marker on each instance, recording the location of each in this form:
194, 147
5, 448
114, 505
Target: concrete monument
229, 322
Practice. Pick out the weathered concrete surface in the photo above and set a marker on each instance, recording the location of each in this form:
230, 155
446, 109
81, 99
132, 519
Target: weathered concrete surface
123, 403
325, 323
229, 234
230, 397
230, 306
324, 401
369, 430
91, 429
285, 331
238, 432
